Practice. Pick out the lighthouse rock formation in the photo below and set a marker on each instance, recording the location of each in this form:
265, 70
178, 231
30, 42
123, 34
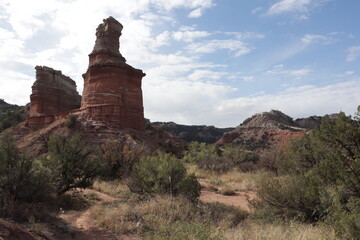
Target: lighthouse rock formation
112, 89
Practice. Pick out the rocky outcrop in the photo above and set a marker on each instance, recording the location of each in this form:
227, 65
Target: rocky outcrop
198, 133
309, 122
263, 130
52, 93
112, 89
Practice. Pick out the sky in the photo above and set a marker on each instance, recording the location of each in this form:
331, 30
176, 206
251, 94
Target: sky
207, 62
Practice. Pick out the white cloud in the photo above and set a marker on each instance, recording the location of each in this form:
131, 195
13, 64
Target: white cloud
189, 36
284, 6
313, 38
353, 53
295, 102
297, 73
208, 103
179, 85
245, 35
237, 47
195, 13
256, 10
172, 4
300, 8
248, 78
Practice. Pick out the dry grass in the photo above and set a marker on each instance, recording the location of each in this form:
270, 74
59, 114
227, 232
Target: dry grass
165, 217
294, 231
116, 188
236, 180
148, 216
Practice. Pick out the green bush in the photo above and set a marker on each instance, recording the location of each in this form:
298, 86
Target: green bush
238, 155
291, 197
70, 163
21, 181
119, 158
217, 164
319, 177
71, 120
200, 152
163, 174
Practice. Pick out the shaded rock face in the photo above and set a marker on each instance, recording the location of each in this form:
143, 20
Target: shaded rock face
198, 133
52, 93
112, 89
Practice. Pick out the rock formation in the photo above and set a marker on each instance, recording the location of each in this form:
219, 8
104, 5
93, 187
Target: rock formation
52, 93
263, 130
112, 89
191, 133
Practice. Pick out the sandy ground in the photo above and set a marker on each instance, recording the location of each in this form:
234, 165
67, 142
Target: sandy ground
240, 199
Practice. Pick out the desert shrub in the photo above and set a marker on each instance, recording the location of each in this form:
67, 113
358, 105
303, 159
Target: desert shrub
298, 156
219, 214
11, 118
217, 164
119, 158
290, 197
239, 155
208, 157
344, 214
320, 177
200, 152
228, 192
163, 174
20, 181
70, 163
268, 160
71, 121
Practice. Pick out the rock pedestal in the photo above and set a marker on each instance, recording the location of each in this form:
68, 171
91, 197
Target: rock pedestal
112, 89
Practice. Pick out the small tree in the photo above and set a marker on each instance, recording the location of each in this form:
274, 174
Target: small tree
20, 180
15, 173
119, 158
70, 163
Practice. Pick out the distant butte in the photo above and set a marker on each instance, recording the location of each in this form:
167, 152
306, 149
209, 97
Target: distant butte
112, 89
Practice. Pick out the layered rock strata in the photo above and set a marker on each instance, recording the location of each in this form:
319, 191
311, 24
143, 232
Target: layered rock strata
52, 94
112, 89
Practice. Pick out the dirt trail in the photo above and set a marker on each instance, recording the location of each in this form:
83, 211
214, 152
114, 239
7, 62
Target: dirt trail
84, 226
239, 199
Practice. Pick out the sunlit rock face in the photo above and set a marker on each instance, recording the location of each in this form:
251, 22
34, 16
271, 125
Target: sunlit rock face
112, 89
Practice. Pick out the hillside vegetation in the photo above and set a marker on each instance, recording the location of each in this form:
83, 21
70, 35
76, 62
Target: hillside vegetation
306, 188
10, 115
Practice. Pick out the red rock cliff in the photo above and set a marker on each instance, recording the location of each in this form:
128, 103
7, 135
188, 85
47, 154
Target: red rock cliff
52, 93
112, 89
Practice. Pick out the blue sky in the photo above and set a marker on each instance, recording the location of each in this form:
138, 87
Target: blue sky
213, 62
